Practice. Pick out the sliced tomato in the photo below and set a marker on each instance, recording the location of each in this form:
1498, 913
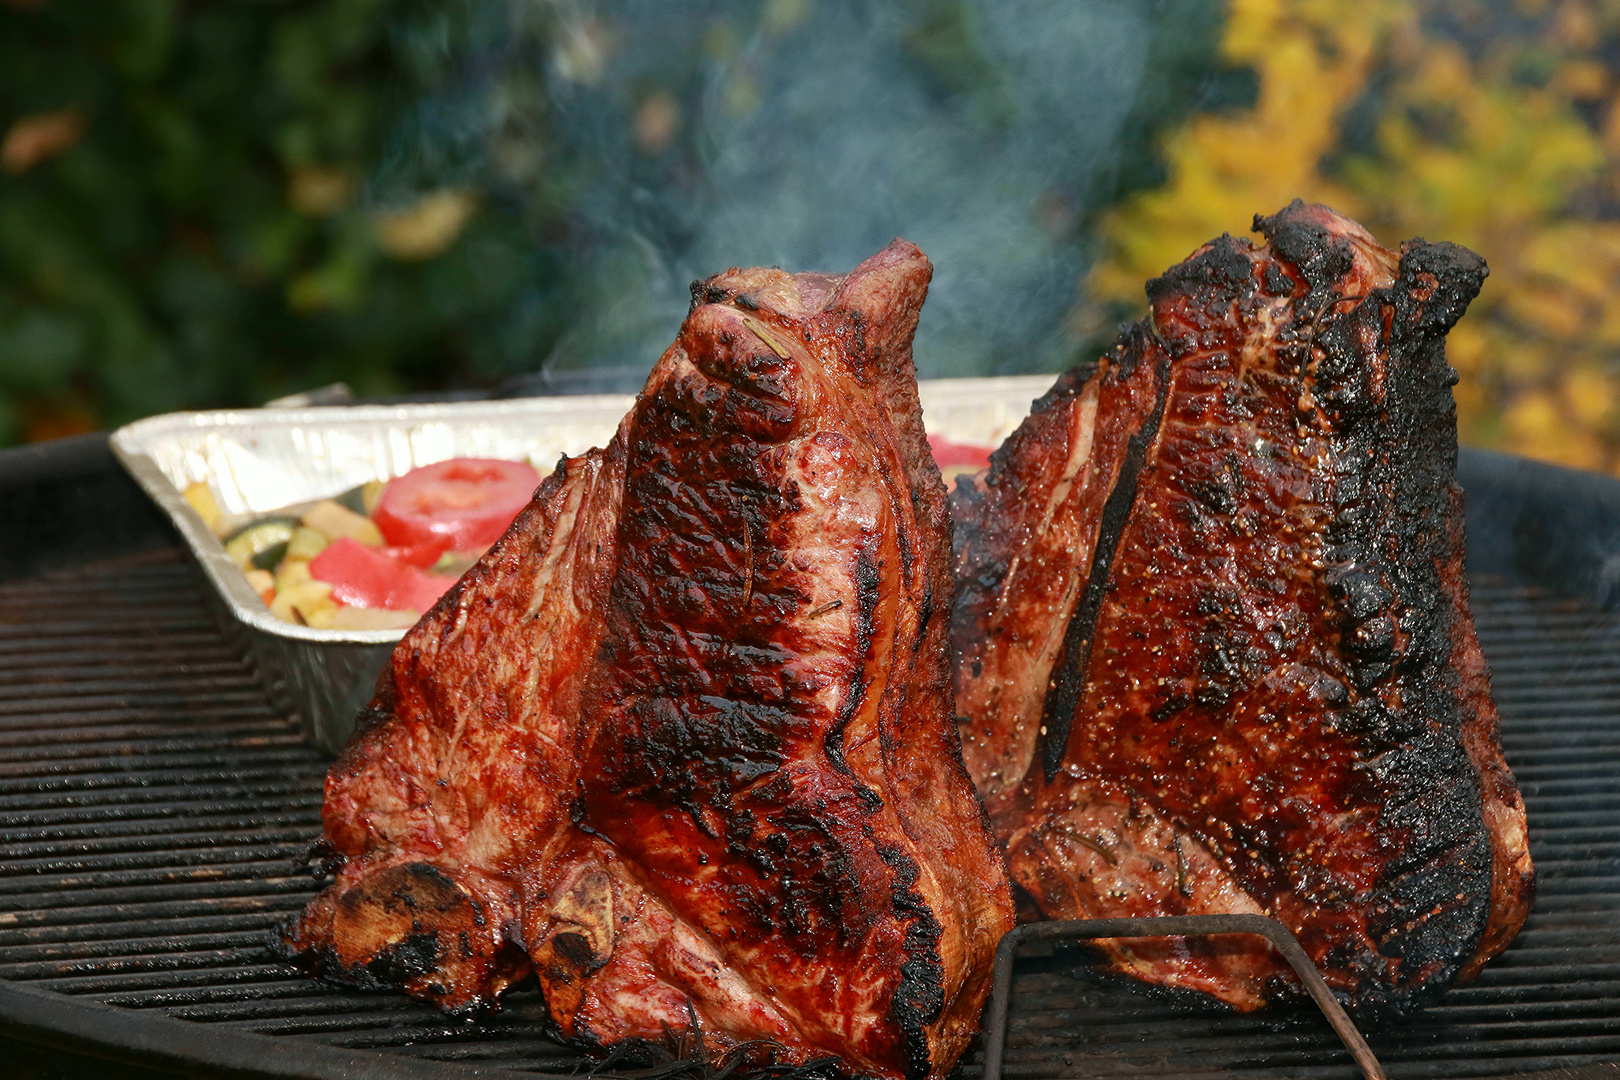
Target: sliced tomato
423, 555
465, 503
947, 453
364, 577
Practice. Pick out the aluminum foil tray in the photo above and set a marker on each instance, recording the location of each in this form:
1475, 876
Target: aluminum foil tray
260, 460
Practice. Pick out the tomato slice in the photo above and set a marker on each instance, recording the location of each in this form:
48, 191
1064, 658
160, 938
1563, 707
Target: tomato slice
422, 555
364, 577
947, 453
465, 503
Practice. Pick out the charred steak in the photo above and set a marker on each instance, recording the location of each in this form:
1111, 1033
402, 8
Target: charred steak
682, 743
1214, 648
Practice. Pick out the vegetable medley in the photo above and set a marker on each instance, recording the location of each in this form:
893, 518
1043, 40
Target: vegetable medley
377, 556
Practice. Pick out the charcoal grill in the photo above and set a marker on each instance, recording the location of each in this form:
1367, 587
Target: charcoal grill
155, 812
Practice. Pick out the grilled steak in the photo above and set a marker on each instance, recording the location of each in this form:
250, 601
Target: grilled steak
682, 743
1214, 645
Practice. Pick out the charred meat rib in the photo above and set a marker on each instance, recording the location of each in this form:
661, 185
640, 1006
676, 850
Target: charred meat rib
1214, 645
682, 743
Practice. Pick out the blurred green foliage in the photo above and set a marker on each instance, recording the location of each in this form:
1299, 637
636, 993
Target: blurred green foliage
210, 203
185, 218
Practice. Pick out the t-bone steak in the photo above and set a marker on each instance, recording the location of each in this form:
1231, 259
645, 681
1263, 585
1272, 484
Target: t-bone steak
1214, 648
682, 743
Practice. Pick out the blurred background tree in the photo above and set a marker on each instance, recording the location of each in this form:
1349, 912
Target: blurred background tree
206, 203
1491, 123
188, 219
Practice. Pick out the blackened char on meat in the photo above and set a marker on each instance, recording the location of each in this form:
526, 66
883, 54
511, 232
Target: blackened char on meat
682, 743
1214, 645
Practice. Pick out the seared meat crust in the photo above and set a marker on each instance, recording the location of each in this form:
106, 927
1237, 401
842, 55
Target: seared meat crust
1268, 696
461, 770
683, 744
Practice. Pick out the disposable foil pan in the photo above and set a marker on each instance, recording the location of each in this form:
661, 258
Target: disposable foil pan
259, 460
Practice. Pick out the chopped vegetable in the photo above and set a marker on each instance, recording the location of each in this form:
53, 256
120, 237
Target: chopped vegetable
423, 555
201, 498
456, 563
264, 583
362, 498
353, 499
947, 453
465, 502
304, 602
337, 521
327, 565
324, 616
261, 544
306, 543
362, 618
292, 572
363, 577
957, 459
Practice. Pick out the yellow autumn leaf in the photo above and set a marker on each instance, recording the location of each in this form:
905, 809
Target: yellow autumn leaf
1464, 149
1590, 397
426, 228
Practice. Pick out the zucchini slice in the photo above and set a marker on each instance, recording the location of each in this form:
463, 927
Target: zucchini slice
260, 545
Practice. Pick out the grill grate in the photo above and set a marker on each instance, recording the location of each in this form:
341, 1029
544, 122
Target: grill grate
1551, 1001
155, 811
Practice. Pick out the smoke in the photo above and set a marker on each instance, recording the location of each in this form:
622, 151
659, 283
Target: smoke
672, 139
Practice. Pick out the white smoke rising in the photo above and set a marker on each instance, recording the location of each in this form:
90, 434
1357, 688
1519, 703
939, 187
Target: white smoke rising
848, 148
683, 137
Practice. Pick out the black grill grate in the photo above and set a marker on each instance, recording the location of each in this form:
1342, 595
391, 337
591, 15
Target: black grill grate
1551, 1001
155, 814
155, 811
